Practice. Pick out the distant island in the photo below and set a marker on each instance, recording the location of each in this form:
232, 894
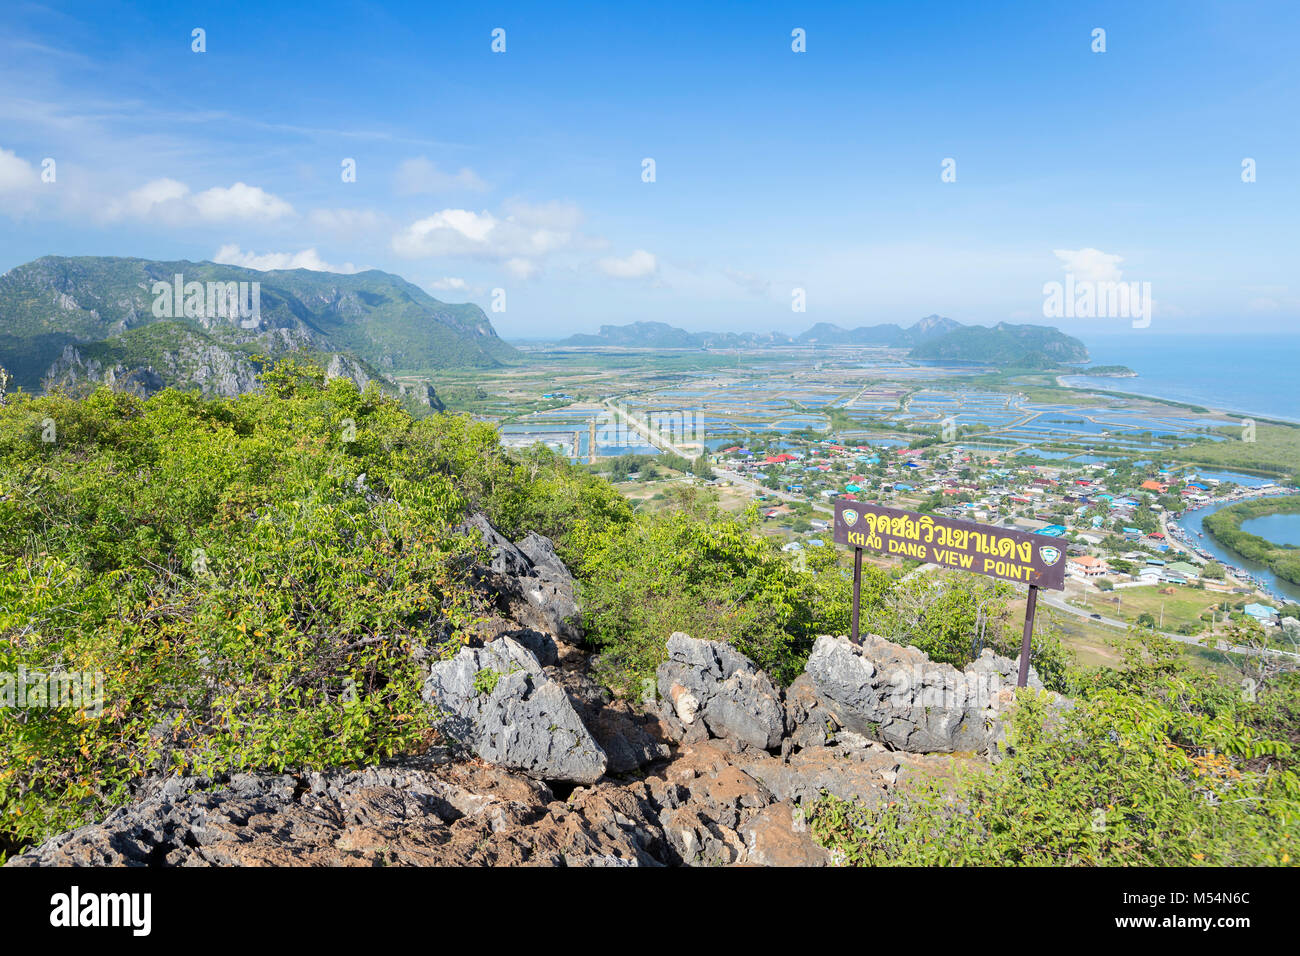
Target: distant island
660, 335
1109, 371
933, 338
1011, 346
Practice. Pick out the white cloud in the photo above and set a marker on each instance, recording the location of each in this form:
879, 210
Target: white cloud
1090, 265
449, 284
16, 174
155, 195
447, 232
638, 265
231, 255
170, 200
522, 268
240, 201
419, 175
527, 232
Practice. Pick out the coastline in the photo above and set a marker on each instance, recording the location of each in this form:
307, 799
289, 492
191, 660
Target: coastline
1176, 403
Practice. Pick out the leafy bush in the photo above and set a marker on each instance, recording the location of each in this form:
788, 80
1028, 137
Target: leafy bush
250, 581
713, 578
1155, 765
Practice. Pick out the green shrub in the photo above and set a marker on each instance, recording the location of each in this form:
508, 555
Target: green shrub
712, 578
247, 579
1154, 766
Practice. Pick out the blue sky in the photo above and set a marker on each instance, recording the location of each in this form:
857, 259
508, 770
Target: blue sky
775, 170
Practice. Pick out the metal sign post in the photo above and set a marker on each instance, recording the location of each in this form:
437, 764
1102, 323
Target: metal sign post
1030, 607
1033, 559
857, 591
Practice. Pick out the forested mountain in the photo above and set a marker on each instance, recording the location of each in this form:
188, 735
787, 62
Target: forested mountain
125, 320
1020, 346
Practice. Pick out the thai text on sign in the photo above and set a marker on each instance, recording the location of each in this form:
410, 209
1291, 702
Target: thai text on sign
964, 545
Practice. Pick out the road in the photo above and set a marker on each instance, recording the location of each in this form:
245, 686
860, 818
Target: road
657, 439
653, 436
1057, 601
736, 478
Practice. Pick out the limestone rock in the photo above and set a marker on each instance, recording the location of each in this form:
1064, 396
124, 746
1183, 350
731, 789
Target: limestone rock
500, 703
630, 737
453, 814
504, 557
810, 722
533, 586
714, 684
540, 550
896, 694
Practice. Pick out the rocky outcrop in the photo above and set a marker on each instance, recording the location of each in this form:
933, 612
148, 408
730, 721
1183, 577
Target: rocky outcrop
708, 802
716, 691
717, 806
809, 722
213, 369
499, 702
345, 366
72, 370
191, 361
897, 695
423, 394
529, 583
448, 814
546, 564
631, 736
706, 806
502, 555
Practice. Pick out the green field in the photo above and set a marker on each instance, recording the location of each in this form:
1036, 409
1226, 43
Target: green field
1183, 607
1275, 451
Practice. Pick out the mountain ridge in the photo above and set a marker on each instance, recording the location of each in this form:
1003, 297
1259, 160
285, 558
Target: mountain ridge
932, 337
69, 318
1021, 346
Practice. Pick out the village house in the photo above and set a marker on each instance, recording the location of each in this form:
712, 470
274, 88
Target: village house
1262, 612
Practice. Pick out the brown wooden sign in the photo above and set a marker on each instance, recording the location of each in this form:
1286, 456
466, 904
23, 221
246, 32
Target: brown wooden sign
964, 545
1033, 559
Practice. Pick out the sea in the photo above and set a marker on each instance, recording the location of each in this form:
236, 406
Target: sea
1253, 375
